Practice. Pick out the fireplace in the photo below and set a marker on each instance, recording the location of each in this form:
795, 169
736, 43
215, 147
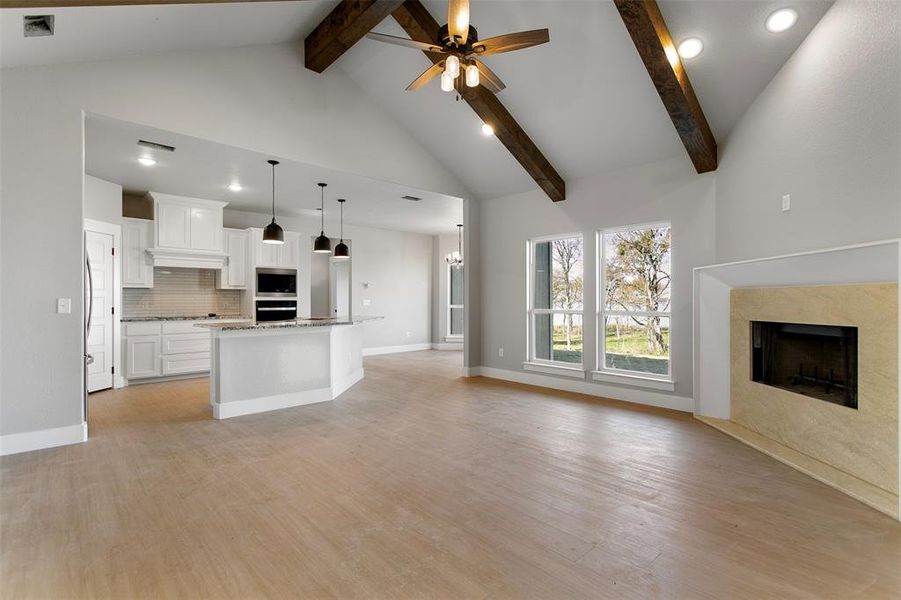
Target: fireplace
818, 361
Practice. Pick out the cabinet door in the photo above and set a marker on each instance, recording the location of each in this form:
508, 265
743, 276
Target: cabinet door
137, 268
206, 229
236, 270
266, 254
288, 255
173, 222
142, 357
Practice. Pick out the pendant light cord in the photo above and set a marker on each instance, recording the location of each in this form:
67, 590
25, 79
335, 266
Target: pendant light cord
322, 209
273, 192
342, 221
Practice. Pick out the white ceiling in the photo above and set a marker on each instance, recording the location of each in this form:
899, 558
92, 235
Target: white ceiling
203, 169
84, 34
585, 98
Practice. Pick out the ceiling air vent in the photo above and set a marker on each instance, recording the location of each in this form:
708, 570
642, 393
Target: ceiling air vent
38, 25
156, 146
411, 198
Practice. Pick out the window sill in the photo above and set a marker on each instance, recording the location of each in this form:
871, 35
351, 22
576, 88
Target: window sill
652, 383
574, 372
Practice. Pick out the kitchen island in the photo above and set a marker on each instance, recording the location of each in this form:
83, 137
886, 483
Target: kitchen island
258, 367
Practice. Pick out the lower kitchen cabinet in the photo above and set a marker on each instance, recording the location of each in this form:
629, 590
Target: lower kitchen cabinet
161, 349
180, 364
142, 356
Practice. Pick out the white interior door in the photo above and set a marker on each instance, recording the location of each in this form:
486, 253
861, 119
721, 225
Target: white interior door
339, 292
99, 247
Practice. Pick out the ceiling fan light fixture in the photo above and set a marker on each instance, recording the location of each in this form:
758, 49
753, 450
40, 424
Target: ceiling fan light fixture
472, 76
447, 82
452, 66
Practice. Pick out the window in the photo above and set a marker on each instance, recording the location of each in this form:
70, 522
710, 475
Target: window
634, 315
555, 301
455, 302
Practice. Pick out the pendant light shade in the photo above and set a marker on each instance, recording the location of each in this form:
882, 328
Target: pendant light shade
273, 234
322, 244
341, 250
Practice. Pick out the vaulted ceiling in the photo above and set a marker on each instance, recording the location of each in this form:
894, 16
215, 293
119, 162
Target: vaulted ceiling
585, 98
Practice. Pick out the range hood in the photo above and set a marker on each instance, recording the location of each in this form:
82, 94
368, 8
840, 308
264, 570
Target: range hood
187, 259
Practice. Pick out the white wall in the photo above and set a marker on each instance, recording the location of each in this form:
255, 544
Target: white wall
102, 200
666, 191
259, 98
827, 130
397, 266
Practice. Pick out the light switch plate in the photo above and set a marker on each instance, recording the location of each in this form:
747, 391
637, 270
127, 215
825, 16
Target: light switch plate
786, 203
63, 306
500, 352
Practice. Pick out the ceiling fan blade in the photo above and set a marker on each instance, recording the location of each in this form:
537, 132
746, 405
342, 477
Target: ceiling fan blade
511, 41
426, 76
488, 78
405, 42
458, 20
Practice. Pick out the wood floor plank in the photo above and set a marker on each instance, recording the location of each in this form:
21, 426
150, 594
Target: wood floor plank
418, 483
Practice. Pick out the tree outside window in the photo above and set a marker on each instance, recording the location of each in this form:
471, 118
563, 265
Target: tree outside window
556, 311
635, 312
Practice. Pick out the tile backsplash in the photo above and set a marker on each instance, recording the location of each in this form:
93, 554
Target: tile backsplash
180, 292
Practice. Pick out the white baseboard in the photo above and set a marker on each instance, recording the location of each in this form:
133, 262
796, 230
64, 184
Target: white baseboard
448, 346
237, 408
14, 443
602, 390
342, 386
396, 349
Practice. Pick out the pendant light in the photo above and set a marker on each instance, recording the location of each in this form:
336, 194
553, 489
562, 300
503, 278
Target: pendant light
273, 234
455, 259
322, 243
341, 250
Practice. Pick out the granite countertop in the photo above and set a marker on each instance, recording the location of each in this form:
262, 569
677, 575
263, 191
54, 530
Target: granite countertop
183, 318
314, 322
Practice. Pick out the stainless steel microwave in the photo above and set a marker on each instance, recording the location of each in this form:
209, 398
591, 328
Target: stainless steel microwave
277, 283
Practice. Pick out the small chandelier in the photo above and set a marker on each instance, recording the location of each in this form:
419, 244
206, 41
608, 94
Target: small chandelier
455, 258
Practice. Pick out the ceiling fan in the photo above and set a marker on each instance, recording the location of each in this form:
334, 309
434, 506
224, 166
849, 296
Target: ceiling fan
459, 42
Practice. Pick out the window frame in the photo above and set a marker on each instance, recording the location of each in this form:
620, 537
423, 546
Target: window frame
543, 364
602, 372
453, 337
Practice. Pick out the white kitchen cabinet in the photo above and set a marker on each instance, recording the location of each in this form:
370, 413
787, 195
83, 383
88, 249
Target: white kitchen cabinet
233, 276
142, 356
137, 264
284, 256
187, 223
182, 364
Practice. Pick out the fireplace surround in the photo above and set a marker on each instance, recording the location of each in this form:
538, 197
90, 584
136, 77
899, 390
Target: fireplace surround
818, 361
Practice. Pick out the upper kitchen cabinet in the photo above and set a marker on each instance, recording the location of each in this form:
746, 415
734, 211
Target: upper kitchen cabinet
137, 265
285, 256
233, 276
187, 223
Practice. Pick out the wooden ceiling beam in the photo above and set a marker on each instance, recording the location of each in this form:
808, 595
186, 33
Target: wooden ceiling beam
655, 46
342, 28
420, 25
75, 3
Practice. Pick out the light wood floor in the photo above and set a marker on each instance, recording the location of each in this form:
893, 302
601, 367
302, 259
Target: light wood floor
420, 484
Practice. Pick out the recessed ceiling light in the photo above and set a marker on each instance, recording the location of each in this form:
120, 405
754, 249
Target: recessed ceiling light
147, 161
781, 20
487, 129
690, 47
235, 186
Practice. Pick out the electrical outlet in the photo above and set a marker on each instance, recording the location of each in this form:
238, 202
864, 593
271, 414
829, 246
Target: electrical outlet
500, 352
63, 306
786, 203
366, 302
408, 334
